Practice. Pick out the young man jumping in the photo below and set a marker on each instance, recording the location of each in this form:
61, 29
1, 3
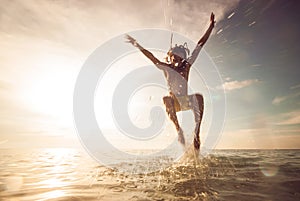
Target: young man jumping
176, 71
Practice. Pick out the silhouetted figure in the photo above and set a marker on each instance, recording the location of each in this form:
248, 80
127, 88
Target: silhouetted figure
176, 71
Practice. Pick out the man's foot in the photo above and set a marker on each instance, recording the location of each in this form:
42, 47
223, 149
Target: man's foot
197, 143
181, 137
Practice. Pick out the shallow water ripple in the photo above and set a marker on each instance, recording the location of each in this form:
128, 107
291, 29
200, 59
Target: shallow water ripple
68, 174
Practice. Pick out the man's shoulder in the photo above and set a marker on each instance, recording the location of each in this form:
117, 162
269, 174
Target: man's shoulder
186, 63
163, 65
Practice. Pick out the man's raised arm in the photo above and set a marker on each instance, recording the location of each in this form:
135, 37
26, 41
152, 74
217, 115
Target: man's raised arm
202, 41
148, 54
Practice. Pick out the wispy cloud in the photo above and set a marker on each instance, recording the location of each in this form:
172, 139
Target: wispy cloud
279, 99
72, 22
295, 86
289, 118
3, 141
233, 85
259, 139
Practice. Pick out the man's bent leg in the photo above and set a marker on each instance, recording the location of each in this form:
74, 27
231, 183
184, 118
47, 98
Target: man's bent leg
198, 109
170, 108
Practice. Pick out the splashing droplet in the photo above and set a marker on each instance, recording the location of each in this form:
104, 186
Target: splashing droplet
269, 170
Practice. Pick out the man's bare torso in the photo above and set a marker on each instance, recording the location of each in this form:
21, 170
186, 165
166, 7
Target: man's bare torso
177, 78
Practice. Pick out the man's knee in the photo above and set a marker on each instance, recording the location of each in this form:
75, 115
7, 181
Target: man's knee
167, 101
197, 100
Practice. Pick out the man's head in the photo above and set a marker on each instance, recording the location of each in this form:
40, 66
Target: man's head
177, 54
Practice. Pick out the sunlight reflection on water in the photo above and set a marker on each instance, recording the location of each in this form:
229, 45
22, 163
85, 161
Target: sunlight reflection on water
13, 183
65, 174
53, 194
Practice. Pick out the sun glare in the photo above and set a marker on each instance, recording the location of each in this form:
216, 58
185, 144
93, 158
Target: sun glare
49, 90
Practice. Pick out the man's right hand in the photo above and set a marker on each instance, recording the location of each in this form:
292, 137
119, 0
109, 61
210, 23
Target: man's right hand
131, 40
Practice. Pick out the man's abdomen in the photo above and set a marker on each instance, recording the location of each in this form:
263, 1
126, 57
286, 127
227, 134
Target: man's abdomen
178, 87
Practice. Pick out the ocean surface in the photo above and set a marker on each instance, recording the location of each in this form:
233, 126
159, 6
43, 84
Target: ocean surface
70, 174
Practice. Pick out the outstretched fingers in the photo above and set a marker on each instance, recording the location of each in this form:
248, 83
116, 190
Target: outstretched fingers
212, 18
130, 40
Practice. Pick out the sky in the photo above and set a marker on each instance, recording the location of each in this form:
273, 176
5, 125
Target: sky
45, 43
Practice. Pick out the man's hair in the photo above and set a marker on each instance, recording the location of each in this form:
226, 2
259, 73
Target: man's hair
179, 50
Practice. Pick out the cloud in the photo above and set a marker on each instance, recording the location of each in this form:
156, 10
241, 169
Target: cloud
3, 141
279, 99
72, 22
233, 85
194, 15
259, 139
289, 118
295, 86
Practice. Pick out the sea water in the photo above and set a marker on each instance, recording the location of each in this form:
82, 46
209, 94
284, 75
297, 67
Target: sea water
71, 174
